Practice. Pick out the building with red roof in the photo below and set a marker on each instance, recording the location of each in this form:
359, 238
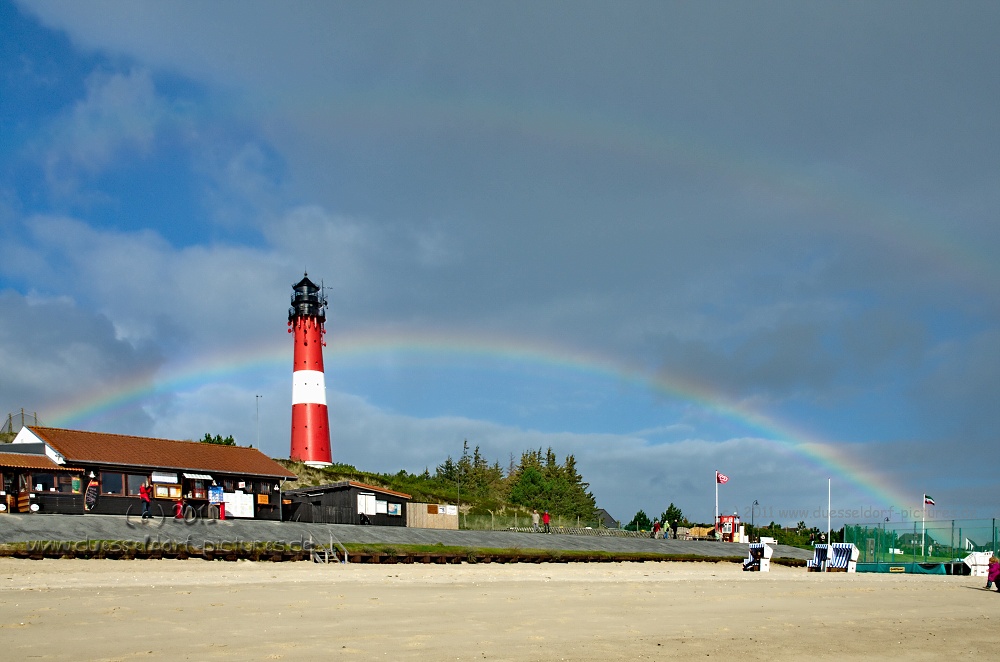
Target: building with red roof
73, 471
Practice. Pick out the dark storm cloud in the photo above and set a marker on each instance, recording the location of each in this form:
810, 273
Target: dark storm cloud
53, 352
957, 395
787, 203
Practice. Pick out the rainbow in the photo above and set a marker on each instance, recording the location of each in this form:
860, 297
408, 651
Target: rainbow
442, 349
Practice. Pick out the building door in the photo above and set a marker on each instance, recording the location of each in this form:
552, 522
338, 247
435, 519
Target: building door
9, 498
23, 493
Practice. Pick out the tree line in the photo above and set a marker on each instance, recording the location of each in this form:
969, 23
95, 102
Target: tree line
538, 480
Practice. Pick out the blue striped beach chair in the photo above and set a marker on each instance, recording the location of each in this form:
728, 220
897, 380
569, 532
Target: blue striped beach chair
759, 559
818, 561
844, 557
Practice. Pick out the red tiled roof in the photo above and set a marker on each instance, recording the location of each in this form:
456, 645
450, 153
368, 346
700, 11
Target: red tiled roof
31, 461
81, 447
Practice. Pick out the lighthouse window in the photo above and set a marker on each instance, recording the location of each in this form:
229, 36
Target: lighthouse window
112, 483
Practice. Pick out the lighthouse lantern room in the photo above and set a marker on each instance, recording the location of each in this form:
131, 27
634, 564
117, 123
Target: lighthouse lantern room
310, 420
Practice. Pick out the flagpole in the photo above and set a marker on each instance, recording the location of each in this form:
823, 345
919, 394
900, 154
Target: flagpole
715, 517
923, 527
828, 502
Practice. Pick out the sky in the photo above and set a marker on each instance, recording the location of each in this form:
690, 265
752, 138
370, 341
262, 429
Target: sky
668, 239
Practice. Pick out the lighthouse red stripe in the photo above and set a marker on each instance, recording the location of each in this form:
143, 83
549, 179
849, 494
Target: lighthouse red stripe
310, 433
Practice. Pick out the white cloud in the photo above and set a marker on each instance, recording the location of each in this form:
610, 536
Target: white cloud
119, 113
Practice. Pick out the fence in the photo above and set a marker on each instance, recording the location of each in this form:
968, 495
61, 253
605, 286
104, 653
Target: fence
430, 516
522, 522
932, 541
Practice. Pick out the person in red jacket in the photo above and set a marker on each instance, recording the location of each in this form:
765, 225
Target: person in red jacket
145, 493
546, 518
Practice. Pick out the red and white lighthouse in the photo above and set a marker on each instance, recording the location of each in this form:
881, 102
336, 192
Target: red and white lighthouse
310, 421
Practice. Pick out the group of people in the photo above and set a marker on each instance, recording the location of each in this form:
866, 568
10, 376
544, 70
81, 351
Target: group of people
659, 531
546, 520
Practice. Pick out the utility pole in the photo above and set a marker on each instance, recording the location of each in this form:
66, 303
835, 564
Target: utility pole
258, 397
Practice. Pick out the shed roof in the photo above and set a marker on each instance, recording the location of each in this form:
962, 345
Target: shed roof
343, 485
81, 447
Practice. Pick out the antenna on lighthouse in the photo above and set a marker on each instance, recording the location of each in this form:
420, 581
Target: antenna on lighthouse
310, 442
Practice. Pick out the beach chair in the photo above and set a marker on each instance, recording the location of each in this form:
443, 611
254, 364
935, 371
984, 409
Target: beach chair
843, 557
759, 559
978, 563
818, 561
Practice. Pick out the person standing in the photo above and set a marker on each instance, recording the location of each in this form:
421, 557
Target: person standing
534, 519
145, 493
546, 518
993, 573
656, 529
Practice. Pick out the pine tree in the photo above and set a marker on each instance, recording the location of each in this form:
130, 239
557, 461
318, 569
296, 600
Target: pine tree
218, 440
639, 522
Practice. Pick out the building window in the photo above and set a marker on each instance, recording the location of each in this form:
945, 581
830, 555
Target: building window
134, 483
198, 489
43, 482
112, 483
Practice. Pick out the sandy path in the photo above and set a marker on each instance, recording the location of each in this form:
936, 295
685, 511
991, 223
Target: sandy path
203, 610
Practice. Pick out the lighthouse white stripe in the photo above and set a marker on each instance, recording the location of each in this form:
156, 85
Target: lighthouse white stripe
308, 387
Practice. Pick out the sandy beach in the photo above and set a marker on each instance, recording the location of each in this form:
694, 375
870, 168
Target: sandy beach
204, 610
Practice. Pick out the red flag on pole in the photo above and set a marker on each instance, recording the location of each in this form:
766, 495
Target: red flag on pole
721, 478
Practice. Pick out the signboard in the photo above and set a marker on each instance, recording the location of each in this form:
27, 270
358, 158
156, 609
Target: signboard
162, 491
238, 504
90, 496
163, 477
215, 494
380, 507
394, 509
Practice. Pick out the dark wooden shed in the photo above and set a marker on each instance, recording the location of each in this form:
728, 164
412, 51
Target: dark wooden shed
346, 502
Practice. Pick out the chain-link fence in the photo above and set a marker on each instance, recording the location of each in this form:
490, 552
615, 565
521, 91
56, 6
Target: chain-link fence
922, 542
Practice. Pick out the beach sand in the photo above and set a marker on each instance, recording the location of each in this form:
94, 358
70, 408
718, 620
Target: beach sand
208, 610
